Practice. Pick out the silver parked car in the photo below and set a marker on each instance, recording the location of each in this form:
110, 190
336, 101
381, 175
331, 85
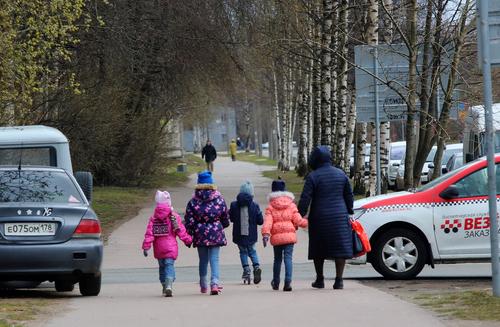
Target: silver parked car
456, 161
449, 151
48, 231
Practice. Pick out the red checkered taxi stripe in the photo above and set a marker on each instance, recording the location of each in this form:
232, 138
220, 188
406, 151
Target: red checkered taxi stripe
399, 206
396, 207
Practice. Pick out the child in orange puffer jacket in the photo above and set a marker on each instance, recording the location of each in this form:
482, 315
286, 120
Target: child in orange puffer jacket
281, 222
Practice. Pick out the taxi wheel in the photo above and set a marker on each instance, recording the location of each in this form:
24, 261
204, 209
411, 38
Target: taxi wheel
399, 254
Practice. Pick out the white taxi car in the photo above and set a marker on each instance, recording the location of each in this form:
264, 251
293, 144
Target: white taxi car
443, 221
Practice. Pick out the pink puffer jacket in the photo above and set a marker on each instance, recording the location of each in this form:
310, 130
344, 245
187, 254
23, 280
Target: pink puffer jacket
282, 219
161, 234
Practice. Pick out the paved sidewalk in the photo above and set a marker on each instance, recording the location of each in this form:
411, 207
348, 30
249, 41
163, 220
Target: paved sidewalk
131, 304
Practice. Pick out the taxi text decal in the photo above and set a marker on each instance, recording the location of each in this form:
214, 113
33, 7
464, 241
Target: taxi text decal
470, 226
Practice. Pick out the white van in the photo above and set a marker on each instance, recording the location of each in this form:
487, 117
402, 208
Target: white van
40, 146
474, 143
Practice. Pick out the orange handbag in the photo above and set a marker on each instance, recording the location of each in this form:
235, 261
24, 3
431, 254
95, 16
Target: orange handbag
361, 242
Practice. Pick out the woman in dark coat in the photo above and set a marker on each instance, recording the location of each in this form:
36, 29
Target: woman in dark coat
328, 196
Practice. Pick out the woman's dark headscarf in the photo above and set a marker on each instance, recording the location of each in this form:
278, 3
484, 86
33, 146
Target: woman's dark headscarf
320, 156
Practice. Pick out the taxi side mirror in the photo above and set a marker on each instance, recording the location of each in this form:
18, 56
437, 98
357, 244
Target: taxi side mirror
431, 166
451, 192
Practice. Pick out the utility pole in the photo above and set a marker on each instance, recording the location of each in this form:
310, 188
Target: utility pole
485, 64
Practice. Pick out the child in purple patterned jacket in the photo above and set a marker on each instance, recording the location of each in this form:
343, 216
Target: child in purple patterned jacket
206, 217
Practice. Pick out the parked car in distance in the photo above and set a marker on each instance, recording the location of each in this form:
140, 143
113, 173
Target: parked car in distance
425, 170
449, 151
48, 230
265, 145
424, 177
40, 146
396, 153
444, 221
456, 161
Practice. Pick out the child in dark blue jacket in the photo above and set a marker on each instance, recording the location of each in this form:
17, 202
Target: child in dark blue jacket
245, 215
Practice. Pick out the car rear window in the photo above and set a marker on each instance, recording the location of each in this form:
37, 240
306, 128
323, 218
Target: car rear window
38, 156
37, 186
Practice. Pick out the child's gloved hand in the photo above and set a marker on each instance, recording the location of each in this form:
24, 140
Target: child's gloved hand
265, 240
145, 253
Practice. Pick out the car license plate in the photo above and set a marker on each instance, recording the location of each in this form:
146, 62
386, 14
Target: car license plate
30, 229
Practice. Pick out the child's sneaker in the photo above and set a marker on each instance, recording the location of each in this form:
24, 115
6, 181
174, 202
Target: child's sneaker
203, 289
275, 285
168, 288
164, 289
246, 275
215, 290
257, 275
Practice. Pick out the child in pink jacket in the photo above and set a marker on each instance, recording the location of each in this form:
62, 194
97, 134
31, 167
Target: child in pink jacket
281, 221
163, 228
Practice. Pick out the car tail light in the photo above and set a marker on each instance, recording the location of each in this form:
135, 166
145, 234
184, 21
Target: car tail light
88, 228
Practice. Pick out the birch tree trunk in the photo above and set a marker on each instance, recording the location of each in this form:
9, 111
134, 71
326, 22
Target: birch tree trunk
326, 57
359, 159
334, 45
385, 127
372, 39
351, 125
277, 117
303, 107
316, 85
342, 113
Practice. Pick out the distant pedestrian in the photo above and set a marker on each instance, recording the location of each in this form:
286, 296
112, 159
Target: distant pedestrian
163, 228
328, 193
206, 217
233, 147
245, 215
282, 219
210, 154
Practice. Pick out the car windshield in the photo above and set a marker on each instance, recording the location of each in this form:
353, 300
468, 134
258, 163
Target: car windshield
37, 186
431, 155
438, 180
397, 152
447, 155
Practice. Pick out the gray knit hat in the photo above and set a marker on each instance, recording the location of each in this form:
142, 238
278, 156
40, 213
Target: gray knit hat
247, 188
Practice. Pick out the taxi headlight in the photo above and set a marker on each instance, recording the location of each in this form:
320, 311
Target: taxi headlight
358, 213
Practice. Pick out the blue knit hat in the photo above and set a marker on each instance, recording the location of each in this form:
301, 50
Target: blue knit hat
278, 185
247, 188
205, 177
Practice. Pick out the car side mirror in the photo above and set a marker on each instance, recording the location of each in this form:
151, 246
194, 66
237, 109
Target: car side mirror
469, 157
444, 170
431, 166
451, 192
396, 164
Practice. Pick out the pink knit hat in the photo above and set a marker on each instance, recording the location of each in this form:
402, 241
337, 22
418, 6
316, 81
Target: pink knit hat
163, 197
